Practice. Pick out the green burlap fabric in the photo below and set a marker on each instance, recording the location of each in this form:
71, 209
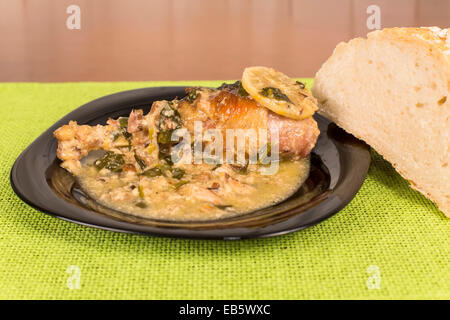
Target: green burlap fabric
389, 237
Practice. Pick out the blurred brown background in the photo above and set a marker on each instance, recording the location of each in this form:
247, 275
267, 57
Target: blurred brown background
187, 39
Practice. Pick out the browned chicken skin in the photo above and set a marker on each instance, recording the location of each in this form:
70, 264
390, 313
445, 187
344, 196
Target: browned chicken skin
227, 109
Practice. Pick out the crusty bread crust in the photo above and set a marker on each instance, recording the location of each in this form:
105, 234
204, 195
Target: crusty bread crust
392, 90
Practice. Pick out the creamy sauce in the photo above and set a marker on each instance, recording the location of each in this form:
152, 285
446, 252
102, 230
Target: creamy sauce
206, 192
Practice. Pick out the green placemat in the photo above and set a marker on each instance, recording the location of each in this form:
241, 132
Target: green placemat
389, 242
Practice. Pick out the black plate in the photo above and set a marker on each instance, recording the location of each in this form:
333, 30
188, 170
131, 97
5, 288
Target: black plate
339, 166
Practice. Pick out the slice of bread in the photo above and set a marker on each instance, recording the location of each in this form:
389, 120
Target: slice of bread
392, 90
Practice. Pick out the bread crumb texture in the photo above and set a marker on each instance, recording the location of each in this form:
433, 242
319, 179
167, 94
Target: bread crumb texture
392, 91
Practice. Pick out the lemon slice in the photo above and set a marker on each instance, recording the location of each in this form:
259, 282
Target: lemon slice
279, 93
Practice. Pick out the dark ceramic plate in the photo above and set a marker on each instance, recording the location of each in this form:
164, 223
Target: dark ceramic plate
339, 166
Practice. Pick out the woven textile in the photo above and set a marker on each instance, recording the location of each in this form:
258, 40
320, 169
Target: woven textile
389, 242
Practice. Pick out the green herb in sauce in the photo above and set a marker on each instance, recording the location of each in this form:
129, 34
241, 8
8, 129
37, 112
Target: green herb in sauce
111, 161
123, 122
301, 84
241, 91
177, 173
153, 172
140, 162
141, 191
141, 205
164, 137
274, 93
234, 86
191, 96
179, 184
169, 118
